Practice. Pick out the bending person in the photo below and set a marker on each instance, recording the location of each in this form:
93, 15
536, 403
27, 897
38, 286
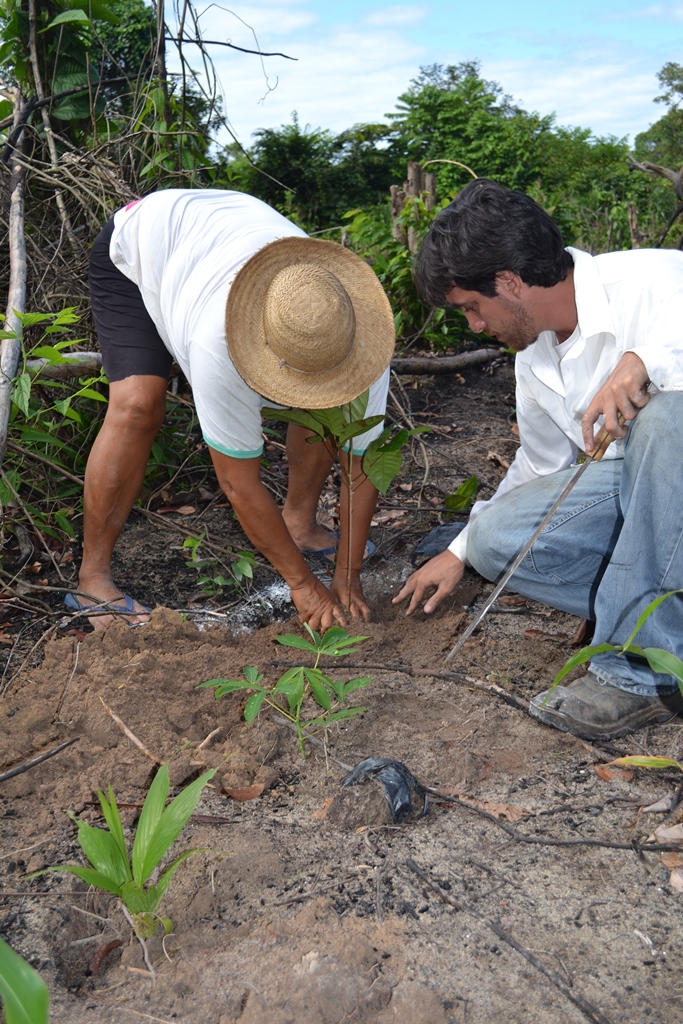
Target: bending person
255, 313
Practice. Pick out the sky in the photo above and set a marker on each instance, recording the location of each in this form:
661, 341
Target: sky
592, 64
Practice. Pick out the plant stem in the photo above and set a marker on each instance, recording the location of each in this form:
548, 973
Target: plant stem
349, 546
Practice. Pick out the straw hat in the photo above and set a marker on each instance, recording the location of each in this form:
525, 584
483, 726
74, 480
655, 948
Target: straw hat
308, 324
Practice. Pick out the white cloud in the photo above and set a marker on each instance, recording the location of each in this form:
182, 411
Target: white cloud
343, 75
390, 17
658, 12
607, 92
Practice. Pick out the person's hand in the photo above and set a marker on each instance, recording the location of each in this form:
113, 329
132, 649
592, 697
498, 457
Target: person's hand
443, 572
624, 391
356, 605
317, 606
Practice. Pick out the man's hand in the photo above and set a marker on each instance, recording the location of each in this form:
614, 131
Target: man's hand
317, 606
624, 391
356, 605
443, 572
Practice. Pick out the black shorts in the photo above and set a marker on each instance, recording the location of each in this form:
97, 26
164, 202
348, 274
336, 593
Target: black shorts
129, 341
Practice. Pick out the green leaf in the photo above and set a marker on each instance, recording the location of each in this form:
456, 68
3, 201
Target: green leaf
336, 643
138, 899
300, 416
71, 15
582, 656
463, 497
292, 685
113, 819
645, 615
355, 684
162, 885
89, 393
252, 674
360, 427
103, 851
253, 705
21, 392
171, 822
89, 875
150, 816
332, 419
24, 994
316, 681
665, 662
223, 686
380, 466
292, 640
355, 410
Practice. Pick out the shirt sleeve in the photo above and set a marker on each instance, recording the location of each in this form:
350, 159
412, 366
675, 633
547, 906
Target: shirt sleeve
377, 406
544, 449
660, 325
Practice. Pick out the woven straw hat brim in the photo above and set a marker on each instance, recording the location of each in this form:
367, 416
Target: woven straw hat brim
258, 365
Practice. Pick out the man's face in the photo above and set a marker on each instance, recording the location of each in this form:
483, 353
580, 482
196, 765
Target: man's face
506, 319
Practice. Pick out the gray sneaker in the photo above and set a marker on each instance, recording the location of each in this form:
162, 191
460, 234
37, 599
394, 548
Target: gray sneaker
595, 710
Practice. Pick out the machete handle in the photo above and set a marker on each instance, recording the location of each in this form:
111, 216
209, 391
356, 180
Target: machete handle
604, 440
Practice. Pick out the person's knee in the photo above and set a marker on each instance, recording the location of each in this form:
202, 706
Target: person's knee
485, 550
658, 423
137, 409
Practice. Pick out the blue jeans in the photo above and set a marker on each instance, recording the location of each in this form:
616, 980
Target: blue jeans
614, 545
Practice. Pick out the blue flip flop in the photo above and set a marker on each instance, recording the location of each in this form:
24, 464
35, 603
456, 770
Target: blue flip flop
105, 607
330, 553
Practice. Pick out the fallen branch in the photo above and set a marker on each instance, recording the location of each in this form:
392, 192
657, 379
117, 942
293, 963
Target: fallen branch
444, 364
582, 1004
79, 363
37, 760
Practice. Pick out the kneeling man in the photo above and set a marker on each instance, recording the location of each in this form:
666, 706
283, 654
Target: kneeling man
596, 336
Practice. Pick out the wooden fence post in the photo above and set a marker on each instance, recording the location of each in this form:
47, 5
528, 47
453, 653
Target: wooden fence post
418, 184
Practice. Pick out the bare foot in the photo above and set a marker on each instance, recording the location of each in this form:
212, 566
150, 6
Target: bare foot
309, 536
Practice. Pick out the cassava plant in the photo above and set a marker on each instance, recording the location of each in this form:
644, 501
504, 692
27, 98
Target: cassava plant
112, 870
336, 428
300, 682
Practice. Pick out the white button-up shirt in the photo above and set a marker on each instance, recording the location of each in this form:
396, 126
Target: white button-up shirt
628, 301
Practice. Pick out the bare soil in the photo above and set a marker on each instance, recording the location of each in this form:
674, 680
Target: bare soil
305, 905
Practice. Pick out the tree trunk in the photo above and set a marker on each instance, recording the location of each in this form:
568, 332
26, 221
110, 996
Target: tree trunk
10, 349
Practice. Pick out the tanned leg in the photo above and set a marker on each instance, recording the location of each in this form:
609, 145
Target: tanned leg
309, 465
113, 479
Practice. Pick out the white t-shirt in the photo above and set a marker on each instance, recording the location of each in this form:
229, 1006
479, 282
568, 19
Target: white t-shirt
626, 301
183, 249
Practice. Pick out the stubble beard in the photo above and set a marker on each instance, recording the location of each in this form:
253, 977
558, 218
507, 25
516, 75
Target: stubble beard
521, 329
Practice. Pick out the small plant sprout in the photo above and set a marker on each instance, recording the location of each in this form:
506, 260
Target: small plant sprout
24, 995
336, 428
112, 870
300, 682
211, 580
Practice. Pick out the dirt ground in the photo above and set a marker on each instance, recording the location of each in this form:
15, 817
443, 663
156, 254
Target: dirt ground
307, 904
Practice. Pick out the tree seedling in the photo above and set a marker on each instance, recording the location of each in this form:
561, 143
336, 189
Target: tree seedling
336, 428
300, 682
25, 998
112, 870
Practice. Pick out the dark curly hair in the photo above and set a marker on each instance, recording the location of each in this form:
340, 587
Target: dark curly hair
488, 229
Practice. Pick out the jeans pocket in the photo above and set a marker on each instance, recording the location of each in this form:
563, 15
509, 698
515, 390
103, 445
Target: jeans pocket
581, 571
